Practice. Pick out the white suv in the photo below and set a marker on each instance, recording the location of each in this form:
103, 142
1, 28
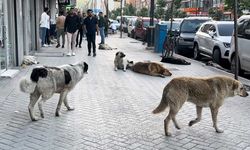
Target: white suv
213, 39
243, 45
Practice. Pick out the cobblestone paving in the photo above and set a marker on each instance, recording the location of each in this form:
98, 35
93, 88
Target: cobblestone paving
113, 110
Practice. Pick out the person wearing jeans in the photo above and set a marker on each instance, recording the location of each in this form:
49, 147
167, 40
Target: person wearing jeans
60, 29
71, 25
101, 25
91, 26
44, 22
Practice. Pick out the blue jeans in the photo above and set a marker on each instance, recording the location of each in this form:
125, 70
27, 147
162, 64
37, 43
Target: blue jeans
43, 34
101, 29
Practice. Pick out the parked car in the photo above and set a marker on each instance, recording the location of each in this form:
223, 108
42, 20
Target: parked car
175, 25
131, 27
188, 28
213, 39
243, 46
141, 25
115, 22
125, 20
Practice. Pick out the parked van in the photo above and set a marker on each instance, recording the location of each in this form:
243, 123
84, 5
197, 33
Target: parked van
243, 45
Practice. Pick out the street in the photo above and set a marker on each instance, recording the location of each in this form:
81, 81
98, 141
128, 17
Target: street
113, 109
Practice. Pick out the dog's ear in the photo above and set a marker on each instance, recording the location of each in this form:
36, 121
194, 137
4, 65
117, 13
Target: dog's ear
86, 67
235, 85
116, 53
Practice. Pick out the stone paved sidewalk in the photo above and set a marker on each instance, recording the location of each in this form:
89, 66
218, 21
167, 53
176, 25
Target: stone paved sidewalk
113, 109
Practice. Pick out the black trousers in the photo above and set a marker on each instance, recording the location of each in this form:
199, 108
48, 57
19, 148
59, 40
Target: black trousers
91, 42
80, 32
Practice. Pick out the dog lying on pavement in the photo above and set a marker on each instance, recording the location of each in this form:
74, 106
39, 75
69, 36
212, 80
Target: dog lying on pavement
203, 92
45, 81
121, 62
150, 68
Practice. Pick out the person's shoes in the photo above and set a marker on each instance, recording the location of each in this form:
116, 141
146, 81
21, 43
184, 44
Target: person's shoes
63, 46
73, 54
68, 54
89, 54
94, 54
49, 45
76, 45
44, 45
58, 45
80, 46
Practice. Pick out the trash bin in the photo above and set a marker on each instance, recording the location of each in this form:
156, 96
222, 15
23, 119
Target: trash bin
160, 35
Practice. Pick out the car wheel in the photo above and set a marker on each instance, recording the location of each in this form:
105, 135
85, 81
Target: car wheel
233, 66
217, 56
196, 55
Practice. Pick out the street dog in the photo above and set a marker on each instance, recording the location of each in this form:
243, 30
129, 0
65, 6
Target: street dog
150, 68
45, 81
121, 62
203, 92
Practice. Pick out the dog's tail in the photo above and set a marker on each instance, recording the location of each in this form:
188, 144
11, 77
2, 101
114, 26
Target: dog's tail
161, 107
27, 86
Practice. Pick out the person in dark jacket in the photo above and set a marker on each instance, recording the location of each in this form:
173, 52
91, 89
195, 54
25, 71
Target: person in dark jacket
101, 25
91, 26
71, 26
80, 31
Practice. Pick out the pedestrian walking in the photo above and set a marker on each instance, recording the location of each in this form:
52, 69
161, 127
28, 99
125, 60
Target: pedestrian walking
80, 31
44, 23
106, 25
71, 27
91, 26
60, 29
101, 25
47, 38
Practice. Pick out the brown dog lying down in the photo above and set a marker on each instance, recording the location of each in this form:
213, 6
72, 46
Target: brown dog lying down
150, 68
203, 92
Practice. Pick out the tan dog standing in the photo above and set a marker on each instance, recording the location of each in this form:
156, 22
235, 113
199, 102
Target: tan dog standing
203, 92
150, 68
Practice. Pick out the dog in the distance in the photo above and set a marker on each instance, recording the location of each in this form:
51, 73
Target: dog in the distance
203, 92
45, 81
150, 68
121, 62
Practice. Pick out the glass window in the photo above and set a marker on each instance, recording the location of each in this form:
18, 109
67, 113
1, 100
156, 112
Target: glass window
190, 26
205, 28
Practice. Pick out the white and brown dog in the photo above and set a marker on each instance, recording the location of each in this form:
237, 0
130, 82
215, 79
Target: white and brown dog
121, 62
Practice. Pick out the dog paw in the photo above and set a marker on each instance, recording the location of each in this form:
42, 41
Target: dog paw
57, 114
219, 131
124, 70
162, 76
168, 134
42, 115
34, 119
70, 109
192, 122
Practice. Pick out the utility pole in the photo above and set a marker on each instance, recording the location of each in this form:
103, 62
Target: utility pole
121, 21
236, 40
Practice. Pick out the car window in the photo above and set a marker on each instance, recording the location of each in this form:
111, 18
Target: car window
242, 27
205, 28
225, 29
190, 26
